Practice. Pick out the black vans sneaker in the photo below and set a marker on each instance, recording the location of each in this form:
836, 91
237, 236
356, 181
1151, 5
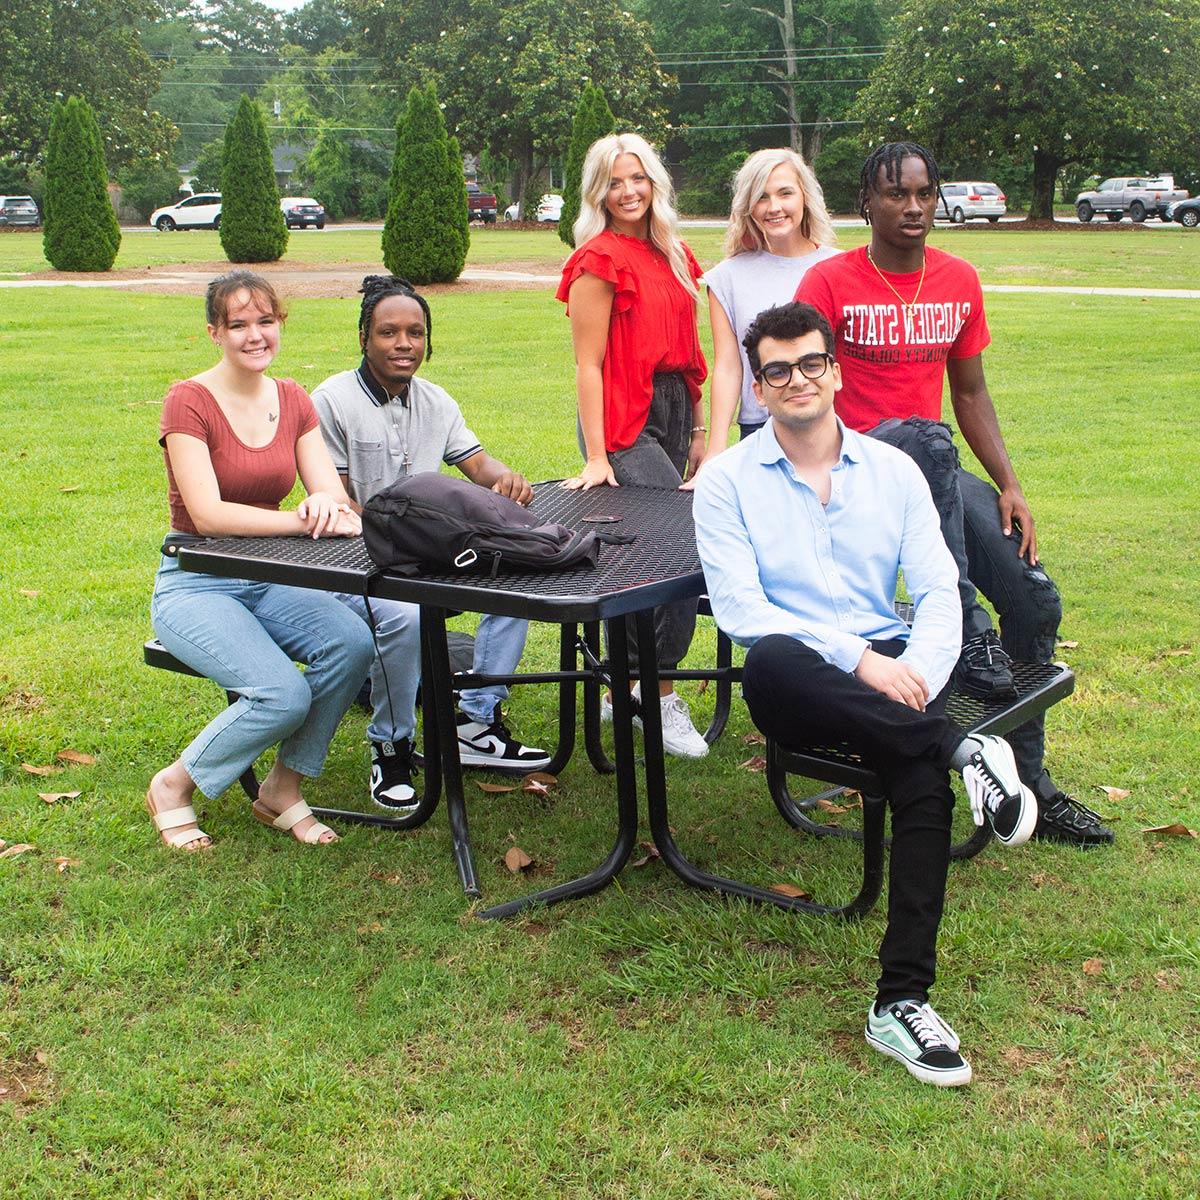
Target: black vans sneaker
911, 1032
391, 776
493, 745
996, 791
984, 669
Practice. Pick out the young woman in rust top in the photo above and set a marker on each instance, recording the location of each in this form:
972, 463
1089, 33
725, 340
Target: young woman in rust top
630, 290
234, 440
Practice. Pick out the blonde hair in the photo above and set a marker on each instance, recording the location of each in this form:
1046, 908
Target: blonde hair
749, 183
594, 217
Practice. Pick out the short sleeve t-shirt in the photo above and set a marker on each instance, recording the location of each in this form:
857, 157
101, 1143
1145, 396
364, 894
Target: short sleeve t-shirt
652, 329
893, 354
375, 440
745, 285
261, 476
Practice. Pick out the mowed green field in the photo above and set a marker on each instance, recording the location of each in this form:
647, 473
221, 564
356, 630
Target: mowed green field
271, 1020
1095, 256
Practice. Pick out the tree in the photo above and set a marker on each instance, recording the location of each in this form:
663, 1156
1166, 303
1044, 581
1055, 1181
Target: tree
207, 174
252, 225
328, 172
81, 231
427, 233
593, 120
148, 184
510, 74
1038, 82
318, 25
85, 48
425, 236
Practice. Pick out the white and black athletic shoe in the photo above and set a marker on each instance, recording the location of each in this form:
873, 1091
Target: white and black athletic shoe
391, 776
912, 1033
493, 745
996, 791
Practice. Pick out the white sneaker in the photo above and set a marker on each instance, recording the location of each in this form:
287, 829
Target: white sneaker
679, 735
606, 706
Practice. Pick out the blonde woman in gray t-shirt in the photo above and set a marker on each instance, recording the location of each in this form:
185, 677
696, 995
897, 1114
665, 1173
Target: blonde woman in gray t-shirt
778, 228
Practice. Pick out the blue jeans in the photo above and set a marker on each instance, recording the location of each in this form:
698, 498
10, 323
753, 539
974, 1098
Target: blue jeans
499, 644
247, 637
1024, 597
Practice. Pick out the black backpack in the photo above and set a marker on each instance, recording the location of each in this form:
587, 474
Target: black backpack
439, 523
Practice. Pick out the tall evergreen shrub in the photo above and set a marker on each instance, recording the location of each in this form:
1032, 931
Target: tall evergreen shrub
425, 236
252, 225
81, 231
593, 120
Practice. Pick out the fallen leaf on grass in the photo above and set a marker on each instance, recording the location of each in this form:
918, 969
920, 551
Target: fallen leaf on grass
541, 777
76, 756
703, 687
50, 770
515, 859
1066, 645
392, 879
789, 889
496, 789
373, 927
71, 487
41, 1058
753, 739
62, 864
757, 763
1114, 793
539, 783
19, 848
830, 807
1093, 966
30, 593
651, 853
55, 797
1167, 980
1175, 829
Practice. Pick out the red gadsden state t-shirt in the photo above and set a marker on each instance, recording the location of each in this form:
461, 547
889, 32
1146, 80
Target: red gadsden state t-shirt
652, 329
257, 475
894, 361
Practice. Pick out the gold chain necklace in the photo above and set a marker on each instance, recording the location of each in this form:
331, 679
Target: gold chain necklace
906, 305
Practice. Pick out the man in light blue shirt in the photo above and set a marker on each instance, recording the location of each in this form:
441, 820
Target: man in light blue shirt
802, 531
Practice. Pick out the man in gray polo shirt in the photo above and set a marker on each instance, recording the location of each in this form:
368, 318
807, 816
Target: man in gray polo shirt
382, 423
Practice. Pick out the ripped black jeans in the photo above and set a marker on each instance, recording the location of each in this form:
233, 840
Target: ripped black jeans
1024, 597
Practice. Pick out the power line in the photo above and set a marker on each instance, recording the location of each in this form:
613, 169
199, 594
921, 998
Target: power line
768, 58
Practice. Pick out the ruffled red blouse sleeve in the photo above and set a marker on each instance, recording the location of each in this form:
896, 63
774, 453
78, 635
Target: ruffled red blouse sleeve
599, 260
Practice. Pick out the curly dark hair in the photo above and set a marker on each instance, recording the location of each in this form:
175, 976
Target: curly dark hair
785, 323
889, 156
379, 287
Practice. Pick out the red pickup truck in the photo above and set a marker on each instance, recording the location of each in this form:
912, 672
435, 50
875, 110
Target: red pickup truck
481, 205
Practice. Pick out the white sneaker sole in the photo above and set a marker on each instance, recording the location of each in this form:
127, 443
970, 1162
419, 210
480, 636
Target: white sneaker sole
956, 1077
471, 758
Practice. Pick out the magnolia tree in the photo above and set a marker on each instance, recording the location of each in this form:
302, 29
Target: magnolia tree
1039, 81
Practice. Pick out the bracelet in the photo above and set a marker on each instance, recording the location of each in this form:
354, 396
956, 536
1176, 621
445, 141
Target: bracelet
699, 428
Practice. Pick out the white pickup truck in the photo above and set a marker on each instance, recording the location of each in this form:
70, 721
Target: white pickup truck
1140, 196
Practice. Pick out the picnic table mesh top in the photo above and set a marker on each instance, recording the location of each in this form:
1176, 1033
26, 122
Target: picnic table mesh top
664, 545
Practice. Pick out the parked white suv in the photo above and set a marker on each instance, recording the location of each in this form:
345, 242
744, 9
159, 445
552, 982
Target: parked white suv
201, 211
965, 201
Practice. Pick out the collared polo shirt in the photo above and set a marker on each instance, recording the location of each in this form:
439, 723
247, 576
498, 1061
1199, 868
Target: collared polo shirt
375, 439
777, 560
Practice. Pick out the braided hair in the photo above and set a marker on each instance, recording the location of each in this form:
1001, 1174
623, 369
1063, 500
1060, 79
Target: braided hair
889, 156
379, 287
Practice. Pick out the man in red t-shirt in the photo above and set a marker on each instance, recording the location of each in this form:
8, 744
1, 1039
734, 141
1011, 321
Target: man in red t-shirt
905, 316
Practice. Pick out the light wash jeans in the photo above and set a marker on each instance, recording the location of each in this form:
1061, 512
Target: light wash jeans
247, 637
499, 644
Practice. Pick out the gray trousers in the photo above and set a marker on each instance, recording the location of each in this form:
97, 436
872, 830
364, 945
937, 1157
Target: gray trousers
657, 459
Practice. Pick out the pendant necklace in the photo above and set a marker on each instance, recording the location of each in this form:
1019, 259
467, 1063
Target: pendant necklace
906, 305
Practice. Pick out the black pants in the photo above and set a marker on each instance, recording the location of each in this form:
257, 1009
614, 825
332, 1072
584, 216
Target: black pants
796, 697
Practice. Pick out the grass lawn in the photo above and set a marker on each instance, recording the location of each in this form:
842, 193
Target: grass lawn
1096, 257
275, 1020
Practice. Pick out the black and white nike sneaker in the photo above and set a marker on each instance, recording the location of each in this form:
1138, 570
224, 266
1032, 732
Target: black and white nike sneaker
493, 745
391, 776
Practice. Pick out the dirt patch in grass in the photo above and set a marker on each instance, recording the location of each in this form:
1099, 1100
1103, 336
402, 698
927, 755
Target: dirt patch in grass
24, 1083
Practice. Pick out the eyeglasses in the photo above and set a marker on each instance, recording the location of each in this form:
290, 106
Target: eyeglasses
812, 366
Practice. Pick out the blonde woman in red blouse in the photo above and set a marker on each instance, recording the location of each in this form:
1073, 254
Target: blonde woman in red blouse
234, 441
630, 290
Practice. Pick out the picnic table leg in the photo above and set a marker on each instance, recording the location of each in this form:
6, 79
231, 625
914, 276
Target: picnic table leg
591, 702
660, 826
439, 712
567, 657
627, 811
